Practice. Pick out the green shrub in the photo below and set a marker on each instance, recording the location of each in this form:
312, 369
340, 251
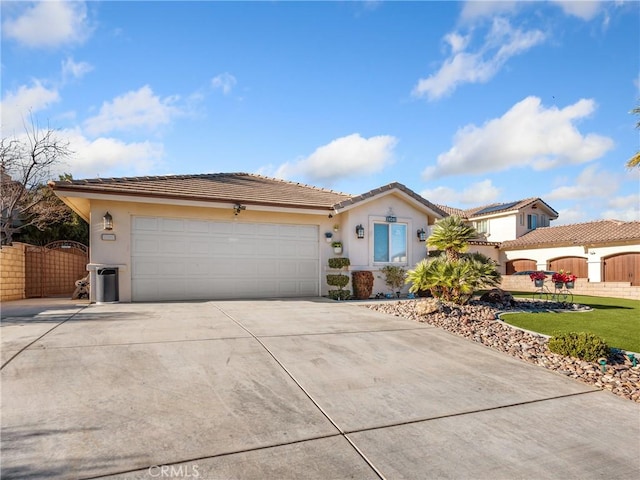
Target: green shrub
339, 294
585, 346
339, 262
337, 280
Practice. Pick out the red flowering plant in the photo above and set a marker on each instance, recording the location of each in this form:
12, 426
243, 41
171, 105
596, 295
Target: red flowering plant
539, 275
563, 277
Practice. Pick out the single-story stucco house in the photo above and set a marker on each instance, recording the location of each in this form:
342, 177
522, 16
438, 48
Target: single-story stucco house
239, 235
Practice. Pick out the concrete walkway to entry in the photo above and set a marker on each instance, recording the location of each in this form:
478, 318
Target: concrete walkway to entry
288, 389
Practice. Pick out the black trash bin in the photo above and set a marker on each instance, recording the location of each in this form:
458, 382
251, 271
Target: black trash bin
107, 285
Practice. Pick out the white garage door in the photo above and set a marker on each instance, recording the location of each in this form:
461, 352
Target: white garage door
179, 259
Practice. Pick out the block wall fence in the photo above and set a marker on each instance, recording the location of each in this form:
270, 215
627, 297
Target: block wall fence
522, 283
12, 272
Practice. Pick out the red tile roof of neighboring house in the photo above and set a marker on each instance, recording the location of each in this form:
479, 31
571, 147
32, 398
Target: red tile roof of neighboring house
496, 208
589, 233
242, 188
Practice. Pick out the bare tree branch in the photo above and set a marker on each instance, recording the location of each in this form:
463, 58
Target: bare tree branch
25, 167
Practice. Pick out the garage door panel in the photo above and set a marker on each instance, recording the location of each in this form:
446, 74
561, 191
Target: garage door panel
149, 224
174, 259
287, 269
171, 246
145, 245
195, 226
308, 288
144, 268
306, 251
307, 232
198, 247
222, 228
266, 267
308, 269
172, 225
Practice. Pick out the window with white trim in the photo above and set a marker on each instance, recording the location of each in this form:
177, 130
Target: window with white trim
390, 242
532, 222
481, 226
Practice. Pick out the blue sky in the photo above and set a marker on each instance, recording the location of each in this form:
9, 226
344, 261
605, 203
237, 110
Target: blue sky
466, 103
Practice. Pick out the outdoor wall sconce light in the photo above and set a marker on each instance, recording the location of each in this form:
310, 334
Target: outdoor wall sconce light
107, 221
422, 235
391, 217
360, 231
237, 208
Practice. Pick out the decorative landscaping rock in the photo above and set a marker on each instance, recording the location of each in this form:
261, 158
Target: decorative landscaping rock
478, 321
498, 297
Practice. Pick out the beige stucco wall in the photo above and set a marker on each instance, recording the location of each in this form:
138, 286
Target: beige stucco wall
502, 228
360, 251
118, 252
12, 275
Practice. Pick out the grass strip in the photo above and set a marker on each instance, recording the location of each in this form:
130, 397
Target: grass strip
616, 320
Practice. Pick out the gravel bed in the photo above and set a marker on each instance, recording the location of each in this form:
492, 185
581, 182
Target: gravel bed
479, 322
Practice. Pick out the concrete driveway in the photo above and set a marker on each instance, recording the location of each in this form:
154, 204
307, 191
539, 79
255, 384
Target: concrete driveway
289, 389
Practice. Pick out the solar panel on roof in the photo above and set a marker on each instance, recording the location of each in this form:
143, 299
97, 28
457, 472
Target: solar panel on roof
496, 208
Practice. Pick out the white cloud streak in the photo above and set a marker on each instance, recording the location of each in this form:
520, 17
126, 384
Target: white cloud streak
48, 24
476, 194
16, 106
139, 109
625, 208
75, 70
585, 10
590, 183
109, 156
225, 82
344, 157
528, 135
500, 44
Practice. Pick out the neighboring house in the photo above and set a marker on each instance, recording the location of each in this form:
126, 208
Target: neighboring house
499, 222
600, 251
519, 237
238, 235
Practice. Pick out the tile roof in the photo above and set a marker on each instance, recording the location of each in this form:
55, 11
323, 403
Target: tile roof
589, 233
495, 208
242, 188
391, 186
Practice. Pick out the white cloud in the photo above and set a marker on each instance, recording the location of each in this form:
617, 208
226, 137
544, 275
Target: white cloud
109, 156
48, 24
18, 105
72, 69
225, 82
500, 44
477, 194
528, 135
344, 157
625, 208
585, 10
474, 10
589, 184
139, 109
574, 214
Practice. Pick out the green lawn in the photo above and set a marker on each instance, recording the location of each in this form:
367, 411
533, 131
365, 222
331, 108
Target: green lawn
616, 320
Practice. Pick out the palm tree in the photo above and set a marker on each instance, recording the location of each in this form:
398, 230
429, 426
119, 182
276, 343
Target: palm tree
635, 160
452, 235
